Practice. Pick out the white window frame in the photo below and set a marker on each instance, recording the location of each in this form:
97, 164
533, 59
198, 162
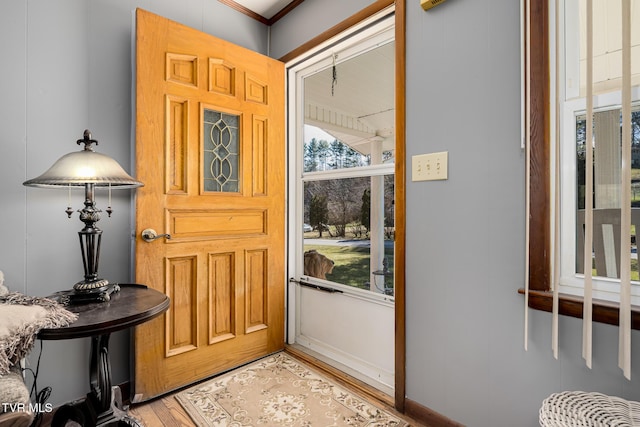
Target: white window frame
571, 106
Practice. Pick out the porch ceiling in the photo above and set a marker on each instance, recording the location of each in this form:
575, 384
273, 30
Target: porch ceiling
361, 108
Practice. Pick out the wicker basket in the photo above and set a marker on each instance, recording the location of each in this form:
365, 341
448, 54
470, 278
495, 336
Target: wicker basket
577, 408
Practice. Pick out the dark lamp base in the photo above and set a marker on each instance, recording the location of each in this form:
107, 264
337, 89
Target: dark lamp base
91, 285
83, 296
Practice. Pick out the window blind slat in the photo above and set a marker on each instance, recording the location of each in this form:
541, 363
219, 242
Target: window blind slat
527, 132
555, 267
624, 347
587, 315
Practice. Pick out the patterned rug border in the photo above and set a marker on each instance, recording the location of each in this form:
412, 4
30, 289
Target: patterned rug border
373, 415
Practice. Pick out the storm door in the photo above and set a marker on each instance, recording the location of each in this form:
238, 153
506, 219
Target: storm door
342, 193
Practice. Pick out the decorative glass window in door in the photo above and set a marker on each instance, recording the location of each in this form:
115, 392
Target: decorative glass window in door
221, 151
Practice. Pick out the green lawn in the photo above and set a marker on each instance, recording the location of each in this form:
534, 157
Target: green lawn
351, 263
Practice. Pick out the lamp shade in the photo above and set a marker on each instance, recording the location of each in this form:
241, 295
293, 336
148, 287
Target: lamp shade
89, 170
85, 167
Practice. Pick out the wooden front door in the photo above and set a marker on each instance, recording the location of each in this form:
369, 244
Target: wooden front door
210, 151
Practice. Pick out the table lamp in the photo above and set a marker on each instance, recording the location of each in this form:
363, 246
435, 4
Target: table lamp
88, 169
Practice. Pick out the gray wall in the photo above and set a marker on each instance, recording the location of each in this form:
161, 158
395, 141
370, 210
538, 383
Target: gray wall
67, 67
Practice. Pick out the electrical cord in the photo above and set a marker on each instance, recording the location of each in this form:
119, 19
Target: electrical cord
39, 397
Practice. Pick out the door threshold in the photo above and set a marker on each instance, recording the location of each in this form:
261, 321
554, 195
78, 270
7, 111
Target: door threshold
339, 374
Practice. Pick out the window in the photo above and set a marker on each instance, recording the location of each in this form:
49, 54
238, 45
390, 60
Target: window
221, 151
540, 81
606, 193
589, 106
606, 150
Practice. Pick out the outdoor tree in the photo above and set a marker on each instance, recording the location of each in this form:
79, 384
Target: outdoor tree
344, 201
311, 155
317, 155
365, 209
343, 156
320, 155
337, 150
340, 202
318, 212
389, 207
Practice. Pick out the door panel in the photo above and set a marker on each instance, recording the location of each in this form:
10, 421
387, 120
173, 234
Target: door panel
210, 150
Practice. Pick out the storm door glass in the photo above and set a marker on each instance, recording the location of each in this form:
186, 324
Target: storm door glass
221, 151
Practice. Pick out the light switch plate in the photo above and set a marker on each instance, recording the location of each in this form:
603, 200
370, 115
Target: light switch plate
430, 167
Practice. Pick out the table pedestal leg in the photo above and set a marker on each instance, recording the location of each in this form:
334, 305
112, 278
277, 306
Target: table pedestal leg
103, 405
100, 377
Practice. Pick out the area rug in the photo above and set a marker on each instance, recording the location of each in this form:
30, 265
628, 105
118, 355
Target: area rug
279, 391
